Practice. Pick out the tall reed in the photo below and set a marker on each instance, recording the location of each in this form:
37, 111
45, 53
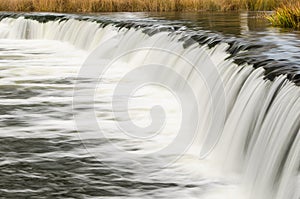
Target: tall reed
286, 16
135, 5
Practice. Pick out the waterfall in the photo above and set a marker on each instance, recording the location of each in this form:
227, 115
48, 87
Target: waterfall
260, 134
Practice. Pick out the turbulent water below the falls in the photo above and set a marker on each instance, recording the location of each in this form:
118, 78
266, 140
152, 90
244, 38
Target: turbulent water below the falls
227, 125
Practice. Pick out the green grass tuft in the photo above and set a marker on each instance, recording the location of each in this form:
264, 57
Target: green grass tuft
286, 16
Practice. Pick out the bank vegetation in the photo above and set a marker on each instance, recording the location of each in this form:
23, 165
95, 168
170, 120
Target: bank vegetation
72, 6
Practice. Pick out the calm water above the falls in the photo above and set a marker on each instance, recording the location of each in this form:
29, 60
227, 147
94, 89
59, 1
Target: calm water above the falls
45, 154
247, 26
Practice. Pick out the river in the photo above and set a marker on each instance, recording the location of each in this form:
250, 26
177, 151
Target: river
77, 93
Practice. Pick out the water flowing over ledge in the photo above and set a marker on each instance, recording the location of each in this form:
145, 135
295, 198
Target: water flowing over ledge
260, 137
240, 51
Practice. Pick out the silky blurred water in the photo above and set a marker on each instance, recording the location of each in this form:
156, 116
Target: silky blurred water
41, 152
42, 155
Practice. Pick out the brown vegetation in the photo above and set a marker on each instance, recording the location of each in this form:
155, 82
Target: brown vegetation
135, 5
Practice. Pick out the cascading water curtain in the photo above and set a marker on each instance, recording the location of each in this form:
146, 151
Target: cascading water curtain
251, 127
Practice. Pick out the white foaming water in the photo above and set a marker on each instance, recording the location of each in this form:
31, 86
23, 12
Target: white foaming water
258, 150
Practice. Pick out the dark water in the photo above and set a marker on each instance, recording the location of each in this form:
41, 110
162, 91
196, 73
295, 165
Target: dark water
41, 153
249, 27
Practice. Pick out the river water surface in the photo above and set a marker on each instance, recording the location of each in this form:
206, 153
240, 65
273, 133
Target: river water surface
42, 153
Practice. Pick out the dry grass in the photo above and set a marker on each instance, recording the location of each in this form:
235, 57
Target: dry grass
135, 5
286, 16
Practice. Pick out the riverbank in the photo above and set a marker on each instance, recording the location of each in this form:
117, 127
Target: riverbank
71, 6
